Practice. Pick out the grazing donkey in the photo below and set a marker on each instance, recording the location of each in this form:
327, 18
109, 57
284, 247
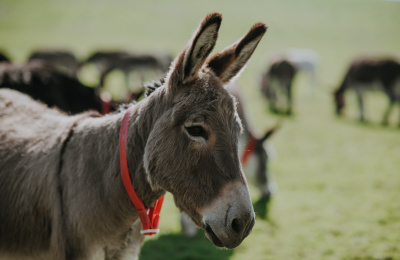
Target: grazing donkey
104, 60
370, 74
128, 62
254, 155
305, 60
54, 88
62, 60
277, 83
61, 193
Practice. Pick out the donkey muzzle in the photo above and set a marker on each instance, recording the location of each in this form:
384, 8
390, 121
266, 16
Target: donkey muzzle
230, 218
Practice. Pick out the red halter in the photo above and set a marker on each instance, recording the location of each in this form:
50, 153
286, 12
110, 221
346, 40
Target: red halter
249, 149
105, 99
150, 220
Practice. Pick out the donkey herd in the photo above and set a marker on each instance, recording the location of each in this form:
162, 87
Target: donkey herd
64, 146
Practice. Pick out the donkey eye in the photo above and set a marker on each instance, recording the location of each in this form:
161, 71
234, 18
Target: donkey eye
196, 131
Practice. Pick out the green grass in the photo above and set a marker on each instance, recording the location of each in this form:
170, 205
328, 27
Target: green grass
338, 180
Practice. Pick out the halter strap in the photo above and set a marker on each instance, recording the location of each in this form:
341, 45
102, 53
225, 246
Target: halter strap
149, 220
105, 99
249, 149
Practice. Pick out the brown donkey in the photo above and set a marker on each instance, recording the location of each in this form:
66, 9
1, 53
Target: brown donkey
370, 74
61, 194
277, 83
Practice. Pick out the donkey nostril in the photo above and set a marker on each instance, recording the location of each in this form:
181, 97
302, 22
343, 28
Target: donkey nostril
249, 227
236, 225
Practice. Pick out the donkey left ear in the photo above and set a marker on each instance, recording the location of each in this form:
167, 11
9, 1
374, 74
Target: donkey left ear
187, 65
228, 63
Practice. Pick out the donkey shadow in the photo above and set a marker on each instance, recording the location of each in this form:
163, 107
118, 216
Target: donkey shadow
371, 124
179, 246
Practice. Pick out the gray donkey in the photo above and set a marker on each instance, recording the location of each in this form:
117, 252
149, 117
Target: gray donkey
61, 194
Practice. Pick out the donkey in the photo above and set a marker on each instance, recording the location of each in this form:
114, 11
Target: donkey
103, 60
63, 60
128, 62
60, 191
148, 67
305, 60
54, 88
254, 154
370, 74
277, 84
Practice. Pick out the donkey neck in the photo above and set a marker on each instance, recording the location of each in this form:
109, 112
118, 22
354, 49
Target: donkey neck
145, 115
94, 142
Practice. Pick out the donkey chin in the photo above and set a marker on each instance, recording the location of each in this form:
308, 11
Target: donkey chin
229, 218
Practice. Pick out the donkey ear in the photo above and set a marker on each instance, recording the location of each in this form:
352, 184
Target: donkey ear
228, 63
191, 59
270, 132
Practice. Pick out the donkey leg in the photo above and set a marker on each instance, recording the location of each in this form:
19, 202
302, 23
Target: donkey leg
262, 179
360, 105
289, 98
272, 104
386, 115
129, 246
189, 229
127, 79
399, 117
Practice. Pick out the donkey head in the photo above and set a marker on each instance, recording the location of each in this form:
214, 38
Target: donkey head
263, 156
339, 101
192, 150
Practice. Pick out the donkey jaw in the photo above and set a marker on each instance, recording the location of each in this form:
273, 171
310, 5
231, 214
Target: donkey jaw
230, 218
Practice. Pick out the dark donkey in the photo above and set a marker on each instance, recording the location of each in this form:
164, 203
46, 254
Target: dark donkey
61, 193
62, 60
254, 155
4, 58
54, 88
363, 75
277, 84
108, 61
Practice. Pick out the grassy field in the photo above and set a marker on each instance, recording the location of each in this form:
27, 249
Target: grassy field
338, 180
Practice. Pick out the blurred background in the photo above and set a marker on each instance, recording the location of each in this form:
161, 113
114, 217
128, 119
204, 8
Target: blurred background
337, 181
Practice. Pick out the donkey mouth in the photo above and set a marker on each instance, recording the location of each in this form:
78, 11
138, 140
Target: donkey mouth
211, 235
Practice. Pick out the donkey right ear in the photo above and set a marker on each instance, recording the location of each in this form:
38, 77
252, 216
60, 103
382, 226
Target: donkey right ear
230, 61
188, 63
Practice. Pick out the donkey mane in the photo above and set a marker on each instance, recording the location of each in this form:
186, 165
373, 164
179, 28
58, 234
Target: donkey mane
153, 86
